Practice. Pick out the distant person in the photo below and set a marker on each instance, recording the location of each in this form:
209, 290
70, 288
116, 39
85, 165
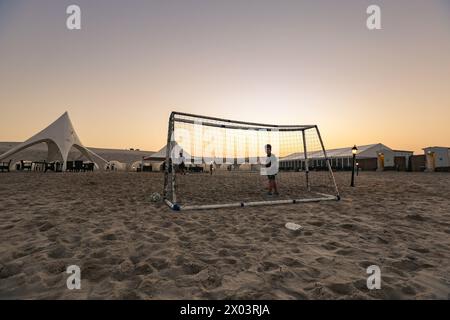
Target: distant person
211, 168
271, 169
182, 165
141, 165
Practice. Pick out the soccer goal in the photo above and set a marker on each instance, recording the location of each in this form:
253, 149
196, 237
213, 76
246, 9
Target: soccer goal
216, 163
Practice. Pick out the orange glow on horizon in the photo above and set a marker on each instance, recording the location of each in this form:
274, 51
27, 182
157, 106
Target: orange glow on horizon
121, 75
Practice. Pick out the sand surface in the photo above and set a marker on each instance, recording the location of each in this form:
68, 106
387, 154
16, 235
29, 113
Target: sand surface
130, 248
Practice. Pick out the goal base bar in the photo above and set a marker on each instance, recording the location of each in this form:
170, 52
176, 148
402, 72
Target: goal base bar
176, 207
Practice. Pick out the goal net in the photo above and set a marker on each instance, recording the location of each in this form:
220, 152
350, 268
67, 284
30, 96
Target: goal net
214, 163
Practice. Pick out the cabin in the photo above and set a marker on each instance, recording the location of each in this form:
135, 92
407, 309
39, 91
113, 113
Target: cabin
437, 159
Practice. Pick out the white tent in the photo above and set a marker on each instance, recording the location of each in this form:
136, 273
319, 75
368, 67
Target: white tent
60, 137
157, 159
161, 154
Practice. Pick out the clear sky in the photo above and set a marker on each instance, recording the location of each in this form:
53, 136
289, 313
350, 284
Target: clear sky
284, 62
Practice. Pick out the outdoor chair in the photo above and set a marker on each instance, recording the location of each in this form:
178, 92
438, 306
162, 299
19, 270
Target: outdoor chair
78, 166
26, 165
69, 166
4, 166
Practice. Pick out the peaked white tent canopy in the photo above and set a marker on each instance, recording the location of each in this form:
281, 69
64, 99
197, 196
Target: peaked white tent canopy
161, 154
60, 137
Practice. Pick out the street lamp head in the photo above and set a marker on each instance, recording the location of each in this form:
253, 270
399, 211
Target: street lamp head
354, 149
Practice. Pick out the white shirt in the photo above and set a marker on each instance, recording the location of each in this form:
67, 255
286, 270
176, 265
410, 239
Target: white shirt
273, 169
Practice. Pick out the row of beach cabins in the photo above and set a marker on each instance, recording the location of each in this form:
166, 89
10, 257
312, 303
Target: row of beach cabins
373, 157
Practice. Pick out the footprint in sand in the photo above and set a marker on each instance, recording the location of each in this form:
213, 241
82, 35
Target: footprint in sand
98, 254
345, 252
159, 264
10, 269
292, 262
58, 251
97, 231
224, 253
159, 237
324, 260
109, 237
420, 250
94, 270
341, 288
348, 226
329, 246
184, 238
268, 266
416, 217
191, 268
143, 268
55, 267
316, 223
46, 226
230, 261
406, 265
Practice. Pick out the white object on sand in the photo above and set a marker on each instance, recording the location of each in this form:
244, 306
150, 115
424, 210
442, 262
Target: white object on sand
293, 226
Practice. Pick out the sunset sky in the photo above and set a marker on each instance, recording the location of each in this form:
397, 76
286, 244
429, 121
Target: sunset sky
283, 62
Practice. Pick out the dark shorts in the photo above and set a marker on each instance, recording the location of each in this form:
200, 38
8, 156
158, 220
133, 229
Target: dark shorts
271, 177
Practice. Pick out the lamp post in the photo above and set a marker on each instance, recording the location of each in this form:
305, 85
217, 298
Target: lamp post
354, 149
357, 169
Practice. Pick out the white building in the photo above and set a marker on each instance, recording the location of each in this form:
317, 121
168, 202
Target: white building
437, 158
369, 157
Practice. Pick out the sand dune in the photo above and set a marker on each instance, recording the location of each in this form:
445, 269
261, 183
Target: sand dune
130, 248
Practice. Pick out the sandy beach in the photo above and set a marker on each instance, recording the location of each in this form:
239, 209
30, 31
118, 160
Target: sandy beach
130, 248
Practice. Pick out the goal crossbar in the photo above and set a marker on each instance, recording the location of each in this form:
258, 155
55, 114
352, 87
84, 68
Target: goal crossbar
181, 117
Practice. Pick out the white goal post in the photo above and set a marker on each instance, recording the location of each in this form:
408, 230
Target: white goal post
216, 163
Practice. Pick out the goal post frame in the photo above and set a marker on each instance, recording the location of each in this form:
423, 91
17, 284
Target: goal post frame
306, 161
330, 170
170, 174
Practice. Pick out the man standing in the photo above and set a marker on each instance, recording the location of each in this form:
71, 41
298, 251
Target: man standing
270, 169
182, 165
